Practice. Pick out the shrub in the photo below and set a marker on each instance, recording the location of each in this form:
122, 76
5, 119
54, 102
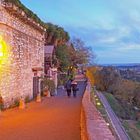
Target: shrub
16, 102
62, 78
48, 85
27, 99
1, 103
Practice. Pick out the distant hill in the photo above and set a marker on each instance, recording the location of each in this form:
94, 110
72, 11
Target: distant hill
122, 65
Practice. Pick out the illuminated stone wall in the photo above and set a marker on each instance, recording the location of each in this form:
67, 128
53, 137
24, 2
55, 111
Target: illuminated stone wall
24, 51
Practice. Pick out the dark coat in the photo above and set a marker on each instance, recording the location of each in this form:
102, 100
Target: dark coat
68, 85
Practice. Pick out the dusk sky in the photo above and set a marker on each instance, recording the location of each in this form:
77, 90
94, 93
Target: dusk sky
110, 27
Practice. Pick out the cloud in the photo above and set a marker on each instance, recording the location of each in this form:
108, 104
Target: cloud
129, 48
111, 27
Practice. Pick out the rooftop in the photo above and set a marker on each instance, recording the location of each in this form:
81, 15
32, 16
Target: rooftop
49, 49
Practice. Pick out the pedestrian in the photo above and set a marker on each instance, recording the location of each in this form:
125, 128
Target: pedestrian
74, 88
1, 103
68, 87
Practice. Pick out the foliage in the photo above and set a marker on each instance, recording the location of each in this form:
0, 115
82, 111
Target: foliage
122, 109
62, 55
62, 78
27, 11
133, 132
27, 99
118, 109
108, 79
15, 104
1, 103
56, 35
125, 92
136, 99
48, 85
138, 125
84, 54
73, 54
90, 74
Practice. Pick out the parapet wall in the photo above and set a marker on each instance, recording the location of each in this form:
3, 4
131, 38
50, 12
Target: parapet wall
93, 126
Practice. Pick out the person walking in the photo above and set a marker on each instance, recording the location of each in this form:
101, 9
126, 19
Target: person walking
74, 88
68, 87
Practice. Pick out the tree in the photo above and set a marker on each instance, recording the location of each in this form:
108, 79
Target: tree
63, 57
72, 55
90, 74
136, 99
107, 78
56, 35
125, 90
84, 54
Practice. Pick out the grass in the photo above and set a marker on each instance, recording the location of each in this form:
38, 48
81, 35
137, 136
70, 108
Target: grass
132, 130
103, 112
138, 125
100, 107
115, 105
132, 127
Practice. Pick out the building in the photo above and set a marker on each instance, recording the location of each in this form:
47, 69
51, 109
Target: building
49, 56
50, 62
21, 54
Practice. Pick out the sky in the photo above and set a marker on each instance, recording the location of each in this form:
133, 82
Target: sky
110, 27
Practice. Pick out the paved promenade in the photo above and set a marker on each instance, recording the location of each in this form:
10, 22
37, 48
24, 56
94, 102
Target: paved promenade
55, 118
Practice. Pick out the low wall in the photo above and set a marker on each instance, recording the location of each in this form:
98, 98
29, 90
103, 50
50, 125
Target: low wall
83, 126
86, 114
93, 126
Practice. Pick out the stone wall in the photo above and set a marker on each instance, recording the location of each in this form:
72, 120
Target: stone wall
23, 50
93, 125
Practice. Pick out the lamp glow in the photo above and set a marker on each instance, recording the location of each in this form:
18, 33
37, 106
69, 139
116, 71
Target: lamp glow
0, 46
107, 124
98, 103
3, 52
